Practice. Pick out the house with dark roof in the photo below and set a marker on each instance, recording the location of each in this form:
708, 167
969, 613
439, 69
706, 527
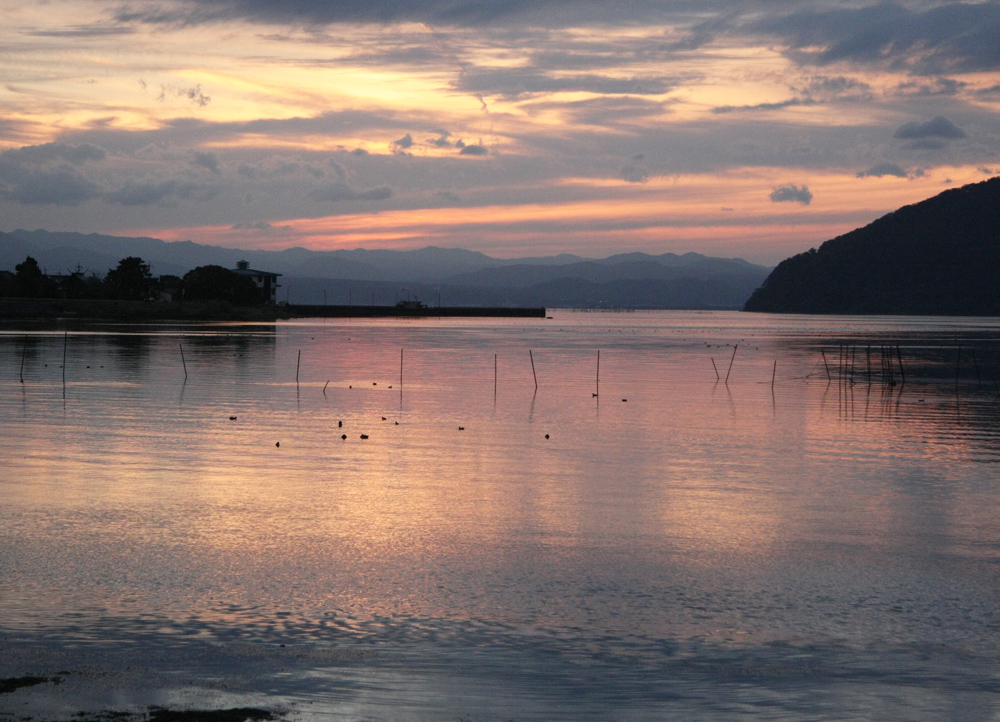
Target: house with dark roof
266, 281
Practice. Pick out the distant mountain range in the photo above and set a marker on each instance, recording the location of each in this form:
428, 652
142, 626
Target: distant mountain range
452, 276
937, 257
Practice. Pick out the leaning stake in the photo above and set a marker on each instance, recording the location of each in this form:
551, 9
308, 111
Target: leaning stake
773, 372
731, 363
899, 356
826, 365
717, 377
298, 362
533, 369
183, 361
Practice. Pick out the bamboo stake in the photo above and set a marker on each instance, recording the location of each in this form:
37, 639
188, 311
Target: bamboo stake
325, 385
65, 345
899, 357
868, 361
24, 351
958, 364
717, 377
494, 377
401, 369
826, 365
183, 361
298, 362
773, 372
731, 363
533, 369
598, 389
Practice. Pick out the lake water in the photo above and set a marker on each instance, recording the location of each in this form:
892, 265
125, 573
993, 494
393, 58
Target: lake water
826, 546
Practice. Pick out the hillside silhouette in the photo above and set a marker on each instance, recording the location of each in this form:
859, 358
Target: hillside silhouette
937, 257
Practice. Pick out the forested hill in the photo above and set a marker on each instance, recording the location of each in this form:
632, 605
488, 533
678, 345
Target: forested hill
937, 257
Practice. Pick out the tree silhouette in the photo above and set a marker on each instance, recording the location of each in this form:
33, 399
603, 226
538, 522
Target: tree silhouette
215, 283
130, 281
29, 281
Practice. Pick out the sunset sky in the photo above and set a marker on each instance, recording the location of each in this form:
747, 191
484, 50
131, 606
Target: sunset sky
749, 129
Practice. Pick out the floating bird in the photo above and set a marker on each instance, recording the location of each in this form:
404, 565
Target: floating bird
364, 436
461, 428
397, 423
546, 436
383, 418
624, 399
340, 424
374, 383
344, 437
277, 443
232, 418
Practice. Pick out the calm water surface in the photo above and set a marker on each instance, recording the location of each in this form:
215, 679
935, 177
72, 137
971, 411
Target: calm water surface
674, 547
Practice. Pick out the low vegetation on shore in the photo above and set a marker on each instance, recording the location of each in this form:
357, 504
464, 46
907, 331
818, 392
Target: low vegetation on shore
130, 292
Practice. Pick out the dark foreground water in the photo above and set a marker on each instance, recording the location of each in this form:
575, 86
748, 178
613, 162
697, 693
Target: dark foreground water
677, 547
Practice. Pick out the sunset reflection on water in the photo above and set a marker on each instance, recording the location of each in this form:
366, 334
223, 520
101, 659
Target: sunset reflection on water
672, 509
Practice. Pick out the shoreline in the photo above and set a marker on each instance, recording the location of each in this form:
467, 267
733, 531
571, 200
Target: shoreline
24, 309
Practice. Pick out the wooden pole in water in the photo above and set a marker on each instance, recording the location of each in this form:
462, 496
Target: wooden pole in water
24, 351
533, 369
183, 362
717, 377
494, 377
325, 385
400, 368
958, 364
868, 360
899, 357
598, 389
773, 372
65, 344
826, 365
731, 363
298, 363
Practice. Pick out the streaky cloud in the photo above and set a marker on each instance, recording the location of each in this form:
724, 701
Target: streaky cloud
790, 103
951, 37
336, 192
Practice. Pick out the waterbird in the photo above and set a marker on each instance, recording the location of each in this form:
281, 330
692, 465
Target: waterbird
383, 418
364, 436
624, 399
340, 424
232, 418
344, 437
277, 443
546, 436
461, 428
